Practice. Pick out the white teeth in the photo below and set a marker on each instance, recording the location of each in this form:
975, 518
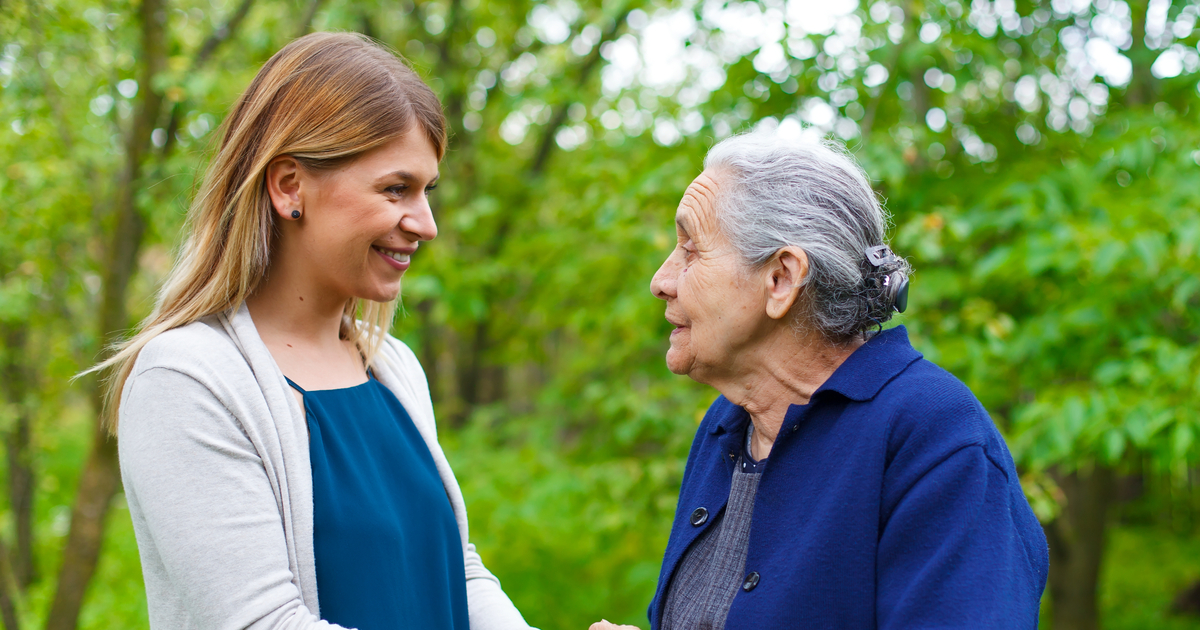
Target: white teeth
397, 256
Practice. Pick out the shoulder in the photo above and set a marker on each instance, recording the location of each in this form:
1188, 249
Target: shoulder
398, 349
933, 415
398, 368
927, 397
396, 356
925, 393
201, 347
191, 364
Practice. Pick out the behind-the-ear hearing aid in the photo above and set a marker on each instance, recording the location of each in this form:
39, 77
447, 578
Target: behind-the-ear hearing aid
895, 283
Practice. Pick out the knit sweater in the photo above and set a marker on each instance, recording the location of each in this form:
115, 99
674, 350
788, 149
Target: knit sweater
215, 461
890, 501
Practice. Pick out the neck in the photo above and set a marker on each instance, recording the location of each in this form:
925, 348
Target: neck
784, 370
289, 304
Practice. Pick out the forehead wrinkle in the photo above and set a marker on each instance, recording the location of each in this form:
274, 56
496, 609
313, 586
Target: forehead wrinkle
699, 201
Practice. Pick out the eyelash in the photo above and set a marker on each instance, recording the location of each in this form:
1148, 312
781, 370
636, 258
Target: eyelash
400, 189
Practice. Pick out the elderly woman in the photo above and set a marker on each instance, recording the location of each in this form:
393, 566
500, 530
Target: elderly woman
840, 480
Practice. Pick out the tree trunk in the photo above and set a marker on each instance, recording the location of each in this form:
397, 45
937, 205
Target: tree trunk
8, 592
20, 496
100, 478
1077, 539
97, 486
1141, 88
429, 348
18, 386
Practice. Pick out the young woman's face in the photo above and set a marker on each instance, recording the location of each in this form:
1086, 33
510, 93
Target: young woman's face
361, 222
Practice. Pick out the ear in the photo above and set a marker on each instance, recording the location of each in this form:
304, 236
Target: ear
784, 275
283, 185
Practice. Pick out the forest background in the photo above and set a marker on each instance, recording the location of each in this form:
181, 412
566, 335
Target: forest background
1040, 159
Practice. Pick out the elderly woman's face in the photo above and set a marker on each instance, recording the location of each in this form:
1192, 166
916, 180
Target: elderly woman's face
715, 303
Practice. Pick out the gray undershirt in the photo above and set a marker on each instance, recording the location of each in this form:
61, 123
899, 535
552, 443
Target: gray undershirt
712, 569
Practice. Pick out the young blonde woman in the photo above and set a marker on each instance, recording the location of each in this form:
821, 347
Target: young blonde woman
277, 446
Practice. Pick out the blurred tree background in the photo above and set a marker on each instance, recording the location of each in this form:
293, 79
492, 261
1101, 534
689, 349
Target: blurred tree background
1041, 160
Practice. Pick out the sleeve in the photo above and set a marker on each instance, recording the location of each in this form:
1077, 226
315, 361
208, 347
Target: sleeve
489, 607
205, 510
951, 553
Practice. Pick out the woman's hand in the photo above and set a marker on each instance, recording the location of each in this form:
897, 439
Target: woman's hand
608, 625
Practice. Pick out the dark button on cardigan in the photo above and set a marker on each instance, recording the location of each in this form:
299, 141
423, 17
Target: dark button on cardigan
891, 501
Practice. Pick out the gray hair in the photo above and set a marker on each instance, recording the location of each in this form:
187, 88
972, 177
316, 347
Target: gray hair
776, 192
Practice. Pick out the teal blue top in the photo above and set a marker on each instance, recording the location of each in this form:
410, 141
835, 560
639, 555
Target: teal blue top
388, 552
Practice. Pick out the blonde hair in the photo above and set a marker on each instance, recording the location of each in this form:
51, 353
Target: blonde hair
324, 99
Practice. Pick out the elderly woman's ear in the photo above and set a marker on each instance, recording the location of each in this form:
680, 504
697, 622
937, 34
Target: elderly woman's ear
784, 275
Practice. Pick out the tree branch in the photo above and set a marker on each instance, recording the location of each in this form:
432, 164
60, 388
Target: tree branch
455, 13
560, 114
470, 378
310, 13
206, 51
893, 67
50, 90
221, 34
546, 146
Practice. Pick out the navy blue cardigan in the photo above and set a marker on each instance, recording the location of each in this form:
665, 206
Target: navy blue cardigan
889, 501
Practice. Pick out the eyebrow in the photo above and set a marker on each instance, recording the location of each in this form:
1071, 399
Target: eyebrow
409, 176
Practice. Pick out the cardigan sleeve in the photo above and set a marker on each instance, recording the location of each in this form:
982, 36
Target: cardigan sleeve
206, 518
949, 556
489, 606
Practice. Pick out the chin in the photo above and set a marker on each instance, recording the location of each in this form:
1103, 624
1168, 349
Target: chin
380, 294
677, 364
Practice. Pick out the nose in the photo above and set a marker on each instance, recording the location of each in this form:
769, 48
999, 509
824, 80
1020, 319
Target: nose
419, 221
663, 284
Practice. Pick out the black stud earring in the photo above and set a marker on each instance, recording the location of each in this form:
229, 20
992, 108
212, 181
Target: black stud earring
295, 214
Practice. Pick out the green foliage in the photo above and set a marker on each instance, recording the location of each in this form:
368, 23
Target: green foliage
1053, 218
117, 597
1144, 571
1068, 300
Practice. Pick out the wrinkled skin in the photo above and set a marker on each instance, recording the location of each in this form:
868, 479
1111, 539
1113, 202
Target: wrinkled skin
714, 302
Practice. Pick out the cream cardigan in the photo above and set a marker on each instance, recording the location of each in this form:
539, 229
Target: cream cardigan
214, 457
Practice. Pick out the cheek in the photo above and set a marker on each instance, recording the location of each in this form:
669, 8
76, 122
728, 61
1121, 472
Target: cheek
696, 290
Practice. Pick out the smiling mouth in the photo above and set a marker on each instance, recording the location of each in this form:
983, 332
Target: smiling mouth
399, 257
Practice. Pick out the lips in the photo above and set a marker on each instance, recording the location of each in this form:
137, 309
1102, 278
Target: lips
395, 257
678, 327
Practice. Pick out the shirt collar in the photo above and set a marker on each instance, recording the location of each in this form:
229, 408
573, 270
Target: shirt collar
873, 365
859, 378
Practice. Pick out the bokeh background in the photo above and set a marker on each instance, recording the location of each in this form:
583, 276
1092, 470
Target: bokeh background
1041, 161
